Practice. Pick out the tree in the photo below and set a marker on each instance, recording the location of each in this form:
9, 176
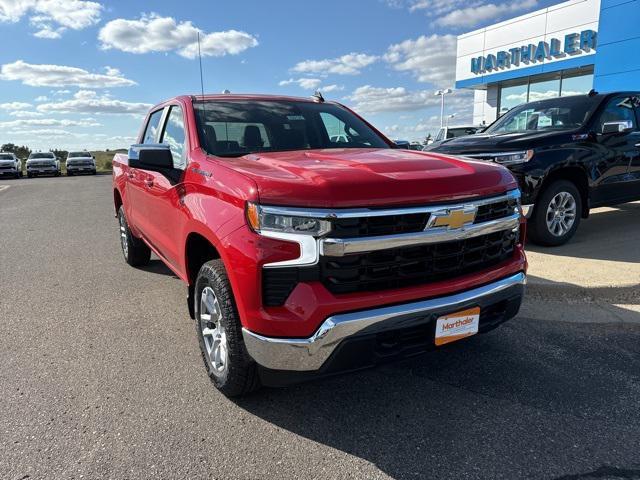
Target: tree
21, 152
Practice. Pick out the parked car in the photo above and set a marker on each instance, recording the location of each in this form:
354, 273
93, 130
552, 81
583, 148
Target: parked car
43, 163
303, 258
569, 154
80, 162
402, 144
416, 146
10, 165
447, 133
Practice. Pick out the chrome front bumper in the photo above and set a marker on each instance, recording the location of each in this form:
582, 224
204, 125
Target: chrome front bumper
310, 354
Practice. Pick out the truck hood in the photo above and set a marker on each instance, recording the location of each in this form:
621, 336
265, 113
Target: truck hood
369, 177
492, 142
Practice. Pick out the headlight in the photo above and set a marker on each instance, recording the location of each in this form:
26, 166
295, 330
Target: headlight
271, 219
512, 158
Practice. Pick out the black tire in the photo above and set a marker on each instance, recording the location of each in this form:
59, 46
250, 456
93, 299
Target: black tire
69, 174
17, 175
135, 251
538, 228
29, 175
239, 375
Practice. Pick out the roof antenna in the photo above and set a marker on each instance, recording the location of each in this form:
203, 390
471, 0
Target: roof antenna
200, 60
318, 97
204, 104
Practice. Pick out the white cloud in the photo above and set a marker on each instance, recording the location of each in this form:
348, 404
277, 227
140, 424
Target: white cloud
41, 75
430, 59
46, 122
368, 99
332, 88
52, 17
350, 64
306, 83
25, 114
471, 16
153, 33
41, 98
89, 102
463, 13
15, 106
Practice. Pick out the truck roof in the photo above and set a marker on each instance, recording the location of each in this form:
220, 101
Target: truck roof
246, 96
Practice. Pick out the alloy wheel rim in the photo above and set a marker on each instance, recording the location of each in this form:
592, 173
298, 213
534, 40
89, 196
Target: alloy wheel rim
213, 332
124, 240
561, 214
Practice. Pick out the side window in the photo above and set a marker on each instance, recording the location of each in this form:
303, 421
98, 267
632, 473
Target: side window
151, 132
174, 136
619, 109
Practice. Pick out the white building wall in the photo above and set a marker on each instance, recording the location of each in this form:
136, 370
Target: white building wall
556, 21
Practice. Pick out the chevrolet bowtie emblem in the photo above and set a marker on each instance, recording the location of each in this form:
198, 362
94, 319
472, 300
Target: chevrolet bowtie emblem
452, 217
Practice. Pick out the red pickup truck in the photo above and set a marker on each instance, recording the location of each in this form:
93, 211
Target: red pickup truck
306, 256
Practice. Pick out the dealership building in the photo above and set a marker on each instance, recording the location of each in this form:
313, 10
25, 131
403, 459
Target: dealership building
565, 49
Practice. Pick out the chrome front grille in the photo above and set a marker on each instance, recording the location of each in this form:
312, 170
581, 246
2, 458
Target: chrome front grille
378, 249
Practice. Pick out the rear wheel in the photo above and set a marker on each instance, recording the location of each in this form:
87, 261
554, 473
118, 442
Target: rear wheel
135, 251
219, 331
557, 214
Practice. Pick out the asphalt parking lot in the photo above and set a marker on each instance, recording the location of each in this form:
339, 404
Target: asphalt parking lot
102, 377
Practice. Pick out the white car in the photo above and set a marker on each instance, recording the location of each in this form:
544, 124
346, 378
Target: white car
447, 133
43, 163
10, 165
80, 162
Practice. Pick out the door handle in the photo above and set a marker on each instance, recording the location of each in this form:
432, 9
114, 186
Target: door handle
131, 174
148, 183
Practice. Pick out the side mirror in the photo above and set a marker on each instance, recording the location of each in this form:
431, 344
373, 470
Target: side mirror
151, 156
616, 127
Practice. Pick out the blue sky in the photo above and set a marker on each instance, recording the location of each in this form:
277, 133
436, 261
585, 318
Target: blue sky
76, 74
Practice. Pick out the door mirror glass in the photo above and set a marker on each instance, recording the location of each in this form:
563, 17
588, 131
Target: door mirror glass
616, 127
154, 157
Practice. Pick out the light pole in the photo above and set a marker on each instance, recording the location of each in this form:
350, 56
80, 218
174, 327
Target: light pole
442, 93
449, 117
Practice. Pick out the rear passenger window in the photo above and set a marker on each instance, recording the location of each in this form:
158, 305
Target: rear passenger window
174, 136
151, 132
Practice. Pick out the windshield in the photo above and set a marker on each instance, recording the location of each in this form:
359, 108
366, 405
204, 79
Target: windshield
79, 155
565, 113
49, 156
454, 132
236, 128
6, 156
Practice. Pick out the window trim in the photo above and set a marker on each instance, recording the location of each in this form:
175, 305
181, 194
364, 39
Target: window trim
165, 120
160, 123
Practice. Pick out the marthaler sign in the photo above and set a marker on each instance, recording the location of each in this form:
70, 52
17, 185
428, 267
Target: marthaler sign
574, 44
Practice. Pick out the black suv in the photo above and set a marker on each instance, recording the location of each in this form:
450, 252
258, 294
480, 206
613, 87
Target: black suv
569, 154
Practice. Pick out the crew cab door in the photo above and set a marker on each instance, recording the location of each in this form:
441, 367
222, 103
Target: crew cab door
619, 150
164, 194
135, 189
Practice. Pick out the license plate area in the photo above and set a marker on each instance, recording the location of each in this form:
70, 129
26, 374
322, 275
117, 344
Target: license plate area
457, 325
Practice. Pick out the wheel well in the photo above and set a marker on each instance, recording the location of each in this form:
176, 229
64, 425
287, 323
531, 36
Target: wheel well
117, 200
578, 177
198, 250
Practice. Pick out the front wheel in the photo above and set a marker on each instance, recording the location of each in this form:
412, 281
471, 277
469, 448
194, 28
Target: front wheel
135, 251
219, 331
557, 214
